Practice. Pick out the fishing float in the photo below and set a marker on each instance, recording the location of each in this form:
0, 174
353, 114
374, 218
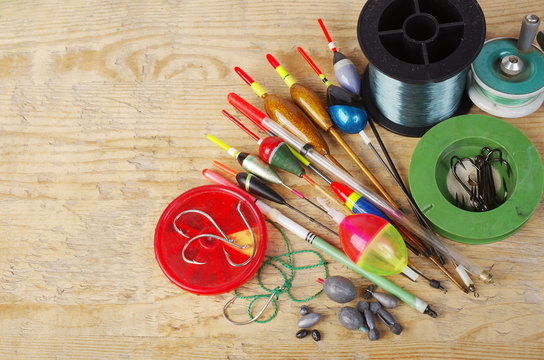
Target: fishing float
257, 166
255, 186
353, 120
372, 243
308, 101
357, 235
346, 73
348, 77
357, 205
340, 190
267, 147
348, 117
350, 199
392, 212
276, 153
346, 113
299, 157
289, 115
276, 216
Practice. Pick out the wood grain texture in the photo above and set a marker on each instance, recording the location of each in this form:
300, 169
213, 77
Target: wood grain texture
103, 110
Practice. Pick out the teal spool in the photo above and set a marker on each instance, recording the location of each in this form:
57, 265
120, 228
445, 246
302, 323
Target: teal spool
422, 50
487, 68
500, 93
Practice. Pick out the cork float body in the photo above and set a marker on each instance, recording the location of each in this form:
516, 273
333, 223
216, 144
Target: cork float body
288, 115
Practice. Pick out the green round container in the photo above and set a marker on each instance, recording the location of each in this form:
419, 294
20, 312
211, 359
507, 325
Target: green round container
465, 136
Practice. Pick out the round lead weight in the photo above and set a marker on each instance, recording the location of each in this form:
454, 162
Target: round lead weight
339, 289
350, 318
388, 301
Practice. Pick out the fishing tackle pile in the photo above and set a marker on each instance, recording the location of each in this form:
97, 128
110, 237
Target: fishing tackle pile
212, 239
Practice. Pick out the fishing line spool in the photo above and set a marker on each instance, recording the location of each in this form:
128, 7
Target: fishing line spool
217, 275
465, 136
418, 53
507, 77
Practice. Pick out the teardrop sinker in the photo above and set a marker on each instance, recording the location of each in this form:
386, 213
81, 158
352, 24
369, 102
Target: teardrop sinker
373, 244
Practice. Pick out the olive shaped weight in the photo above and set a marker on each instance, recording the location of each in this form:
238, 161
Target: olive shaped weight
350, 318
339, 289
309, 320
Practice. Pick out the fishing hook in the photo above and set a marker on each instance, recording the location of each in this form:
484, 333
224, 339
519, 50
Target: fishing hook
482, 193
453, 168
224, 239
201, 213
265, 306
213, 237
239, 208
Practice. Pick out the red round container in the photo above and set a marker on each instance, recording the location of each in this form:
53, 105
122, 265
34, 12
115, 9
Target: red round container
216, 275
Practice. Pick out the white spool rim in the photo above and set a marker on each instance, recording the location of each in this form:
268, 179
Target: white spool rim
505, 111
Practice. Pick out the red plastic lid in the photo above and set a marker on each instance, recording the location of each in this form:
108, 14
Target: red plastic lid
217, 275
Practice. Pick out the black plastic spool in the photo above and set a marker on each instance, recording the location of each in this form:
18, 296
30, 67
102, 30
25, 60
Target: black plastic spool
416, 42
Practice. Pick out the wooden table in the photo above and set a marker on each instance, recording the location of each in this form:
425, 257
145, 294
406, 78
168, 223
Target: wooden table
104, 107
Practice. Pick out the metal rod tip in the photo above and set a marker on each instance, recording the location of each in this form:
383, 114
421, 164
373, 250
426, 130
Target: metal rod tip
430, 312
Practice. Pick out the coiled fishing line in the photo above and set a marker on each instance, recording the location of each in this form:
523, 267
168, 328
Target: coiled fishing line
507, 77
419, 52
416, 105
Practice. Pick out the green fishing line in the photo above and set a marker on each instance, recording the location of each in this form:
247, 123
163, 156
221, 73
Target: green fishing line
276, 261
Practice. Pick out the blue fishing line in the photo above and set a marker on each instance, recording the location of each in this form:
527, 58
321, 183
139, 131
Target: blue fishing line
416, 105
